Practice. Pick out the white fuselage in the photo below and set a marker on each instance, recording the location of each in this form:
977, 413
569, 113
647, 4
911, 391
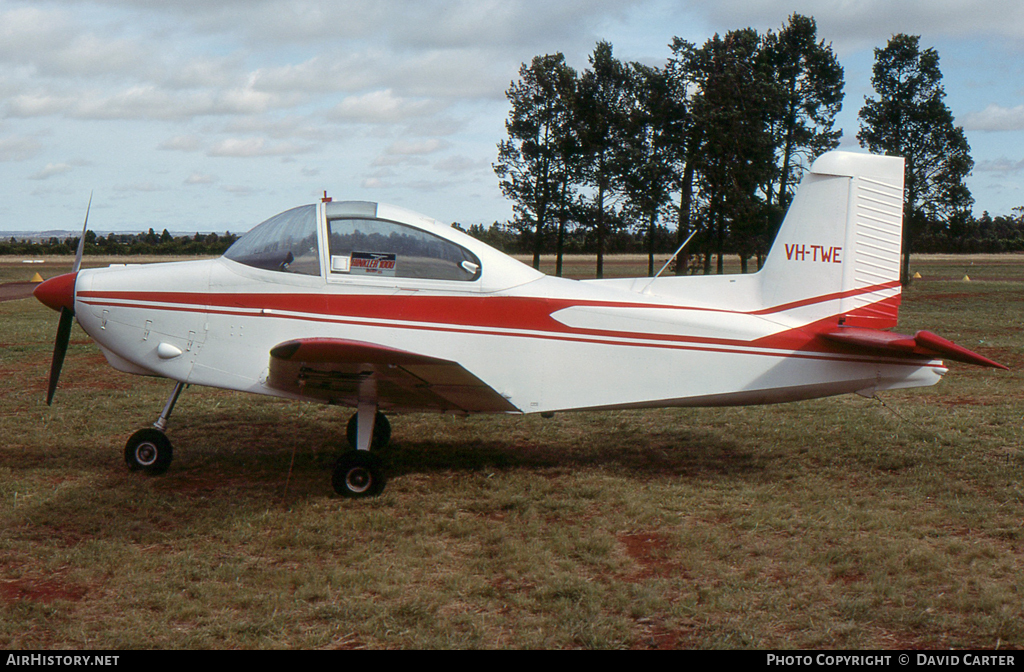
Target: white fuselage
545, 344
480, 318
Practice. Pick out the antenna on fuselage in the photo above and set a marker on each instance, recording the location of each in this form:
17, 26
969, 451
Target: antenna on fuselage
676, 254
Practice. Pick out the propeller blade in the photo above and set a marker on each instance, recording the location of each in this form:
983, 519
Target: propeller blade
62, 293
60, 348
81, 241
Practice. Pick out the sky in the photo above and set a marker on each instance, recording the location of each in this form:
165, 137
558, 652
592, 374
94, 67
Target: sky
200, 115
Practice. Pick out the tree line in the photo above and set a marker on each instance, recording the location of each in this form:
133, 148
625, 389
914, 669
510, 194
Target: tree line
124, 244
970, 235
713, 144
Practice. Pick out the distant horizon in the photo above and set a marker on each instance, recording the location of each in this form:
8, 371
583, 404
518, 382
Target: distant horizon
67, 233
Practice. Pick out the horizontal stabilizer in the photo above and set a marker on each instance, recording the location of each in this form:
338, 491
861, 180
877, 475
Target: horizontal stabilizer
923, 343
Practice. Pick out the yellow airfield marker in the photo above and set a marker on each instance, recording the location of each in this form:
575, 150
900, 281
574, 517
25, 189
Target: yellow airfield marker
36, 278
917, 276
967, 278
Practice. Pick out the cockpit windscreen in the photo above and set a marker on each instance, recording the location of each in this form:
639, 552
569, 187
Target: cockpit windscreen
286, 242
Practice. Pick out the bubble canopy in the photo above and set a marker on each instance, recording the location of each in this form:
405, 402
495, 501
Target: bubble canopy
285, 242
358, 244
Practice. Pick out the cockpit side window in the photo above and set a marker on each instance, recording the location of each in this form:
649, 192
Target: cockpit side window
377, 247
286, 242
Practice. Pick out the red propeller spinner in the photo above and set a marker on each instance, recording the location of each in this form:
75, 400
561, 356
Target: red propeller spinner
58, 292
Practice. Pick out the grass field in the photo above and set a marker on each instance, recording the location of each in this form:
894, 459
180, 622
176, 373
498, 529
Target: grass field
836, 523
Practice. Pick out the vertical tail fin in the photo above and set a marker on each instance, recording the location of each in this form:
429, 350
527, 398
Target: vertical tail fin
839, 246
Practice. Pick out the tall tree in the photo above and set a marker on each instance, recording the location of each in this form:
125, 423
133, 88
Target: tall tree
807, 82
532, 163
654, 139
602, 110
910, 119
683, 82
733, 154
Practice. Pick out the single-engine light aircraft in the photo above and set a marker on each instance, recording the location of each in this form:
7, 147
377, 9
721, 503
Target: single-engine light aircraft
377, 308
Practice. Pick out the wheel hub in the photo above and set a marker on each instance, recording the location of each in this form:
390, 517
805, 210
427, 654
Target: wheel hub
146, 454
358, 479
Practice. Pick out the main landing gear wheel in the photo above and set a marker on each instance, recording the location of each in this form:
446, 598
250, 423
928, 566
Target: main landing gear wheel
357, 474
381, 431
149, 451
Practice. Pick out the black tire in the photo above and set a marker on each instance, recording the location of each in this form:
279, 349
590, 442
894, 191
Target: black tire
381, 431
148, 450
358, 474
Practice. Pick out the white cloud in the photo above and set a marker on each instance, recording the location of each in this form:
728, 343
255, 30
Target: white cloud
424, 23
409, 152
386, 160
145, 187
480, 72
51, 170
182, 143
871, 22
344, 71
1000, 165
18, 148
280, 128
237, 190
996, 118
254, 147
416, 147
381, 107
199, 179
54, 44
433, 186
203, 71
145, 102
26, 31
462, 164
346, 78
37, 105
149, 102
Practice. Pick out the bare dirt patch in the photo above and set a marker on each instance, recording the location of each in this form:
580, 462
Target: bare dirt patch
651, 551
964, 400
39, 590
656, 636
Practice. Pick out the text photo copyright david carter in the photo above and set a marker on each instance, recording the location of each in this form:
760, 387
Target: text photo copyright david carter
898, 659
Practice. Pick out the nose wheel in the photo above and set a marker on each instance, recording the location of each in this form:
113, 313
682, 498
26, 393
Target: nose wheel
149, 451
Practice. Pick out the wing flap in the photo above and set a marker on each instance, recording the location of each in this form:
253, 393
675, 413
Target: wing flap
922, 344
337, 370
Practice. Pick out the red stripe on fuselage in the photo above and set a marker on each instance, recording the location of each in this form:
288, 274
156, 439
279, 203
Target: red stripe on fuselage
473, 314
480, 311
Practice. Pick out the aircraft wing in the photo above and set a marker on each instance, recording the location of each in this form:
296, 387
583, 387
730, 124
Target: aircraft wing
339, 370
923, 343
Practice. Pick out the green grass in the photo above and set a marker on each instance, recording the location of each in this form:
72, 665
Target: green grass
828, 524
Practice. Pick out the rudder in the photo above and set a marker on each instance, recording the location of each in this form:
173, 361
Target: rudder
839, 245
